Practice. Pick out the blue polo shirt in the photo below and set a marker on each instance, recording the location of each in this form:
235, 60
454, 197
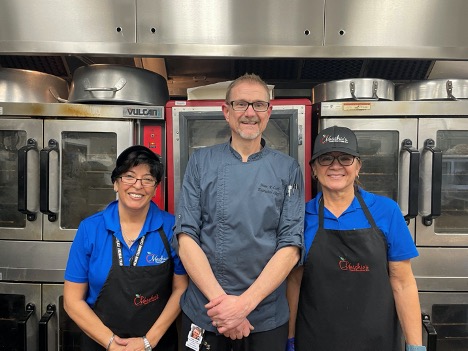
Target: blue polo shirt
90, 256
387, 216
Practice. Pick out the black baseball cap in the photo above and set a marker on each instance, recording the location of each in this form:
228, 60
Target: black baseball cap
335, 138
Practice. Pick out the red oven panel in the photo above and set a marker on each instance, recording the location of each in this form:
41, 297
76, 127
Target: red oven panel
153, 138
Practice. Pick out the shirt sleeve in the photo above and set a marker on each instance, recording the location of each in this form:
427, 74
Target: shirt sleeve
388, 217
188, 212
79, 257
400, 243
291, 224
178, 266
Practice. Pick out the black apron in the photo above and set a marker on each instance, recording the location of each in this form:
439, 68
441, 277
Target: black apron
133, 297
346, 300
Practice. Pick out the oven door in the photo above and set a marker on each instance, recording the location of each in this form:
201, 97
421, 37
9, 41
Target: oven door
444, 182
18, 221
20, 306
389, 157
76, 164
448, 313
56, 329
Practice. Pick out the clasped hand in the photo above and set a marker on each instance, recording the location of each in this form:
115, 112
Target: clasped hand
229, 315
130, 344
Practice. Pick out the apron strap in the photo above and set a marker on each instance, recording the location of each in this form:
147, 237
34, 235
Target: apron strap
364, 208
320, 214
163, 236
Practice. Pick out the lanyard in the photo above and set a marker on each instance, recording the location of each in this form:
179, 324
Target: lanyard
134, 259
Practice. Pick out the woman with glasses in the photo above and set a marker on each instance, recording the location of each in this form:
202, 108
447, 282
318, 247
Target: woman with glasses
355, 287
123, 281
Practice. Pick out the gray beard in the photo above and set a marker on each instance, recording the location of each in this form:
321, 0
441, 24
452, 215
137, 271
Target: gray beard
248, 136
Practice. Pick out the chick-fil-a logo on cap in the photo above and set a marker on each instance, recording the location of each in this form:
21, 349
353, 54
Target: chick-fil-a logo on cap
333, 139
345, 265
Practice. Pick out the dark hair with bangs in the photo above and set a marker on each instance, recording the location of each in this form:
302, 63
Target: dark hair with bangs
138, 155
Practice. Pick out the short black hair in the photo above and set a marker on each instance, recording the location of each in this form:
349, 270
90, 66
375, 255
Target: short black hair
138, 155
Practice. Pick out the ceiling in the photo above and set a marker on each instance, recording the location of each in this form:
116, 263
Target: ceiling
292, 77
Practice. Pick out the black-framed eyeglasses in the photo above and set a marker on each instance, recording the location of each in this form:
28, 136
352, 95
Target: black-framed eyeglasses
344, 160
258, 106
131, 180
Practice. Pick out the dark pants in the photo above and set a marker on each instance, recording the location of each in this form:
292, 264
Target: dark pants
271, 340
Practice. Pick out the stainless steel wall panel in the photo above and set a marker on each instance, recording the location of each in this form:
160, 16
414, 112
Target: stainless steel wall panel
424, 29
227, 22
397, 23
109, 21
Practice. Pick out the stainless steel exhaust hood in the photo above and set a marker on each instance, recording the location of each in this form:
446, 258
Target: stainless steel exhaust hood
293, 45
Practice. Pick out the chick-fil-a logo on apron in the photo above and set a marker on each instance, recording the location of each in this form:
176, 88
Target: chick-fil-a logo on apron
345, 265
141, 300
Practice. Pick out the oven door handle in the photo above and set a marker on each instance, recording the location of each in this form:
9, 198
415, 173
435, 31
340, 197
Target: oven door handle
43, 324
413, 179
22, 328
431, 332
28, 202
49, 179
436, 182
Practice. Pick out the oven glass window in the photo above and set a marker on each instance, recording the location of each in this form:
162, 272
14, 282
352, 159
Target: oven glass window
88, 159
10, 142
69, 333
379, 152
203, 132
454, 206
451, 324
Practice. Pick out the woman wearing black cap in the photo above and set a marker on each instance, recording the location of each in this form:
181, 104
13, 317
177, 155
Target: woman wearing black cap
356, 281
123, 281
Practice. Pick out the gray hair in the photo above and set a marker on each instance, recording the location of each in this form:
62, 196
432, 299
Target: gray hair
248, 77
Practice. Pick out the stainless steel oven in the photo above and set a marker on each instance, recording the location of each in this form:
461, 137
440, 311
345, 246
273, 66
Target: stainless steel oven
56, 161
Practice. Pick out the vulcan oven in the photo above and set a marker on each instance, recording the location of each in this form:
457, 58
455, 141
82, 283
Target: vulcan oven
55, 166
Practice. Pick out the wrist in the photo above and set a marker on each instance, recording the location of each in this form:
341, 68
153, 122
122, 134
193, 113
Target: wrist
111, 340
248, 302
415, 348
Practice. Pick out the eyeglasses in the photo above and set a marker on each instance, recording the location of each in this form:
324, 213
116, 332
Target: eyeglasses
344, 160
258, 106
131, 180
